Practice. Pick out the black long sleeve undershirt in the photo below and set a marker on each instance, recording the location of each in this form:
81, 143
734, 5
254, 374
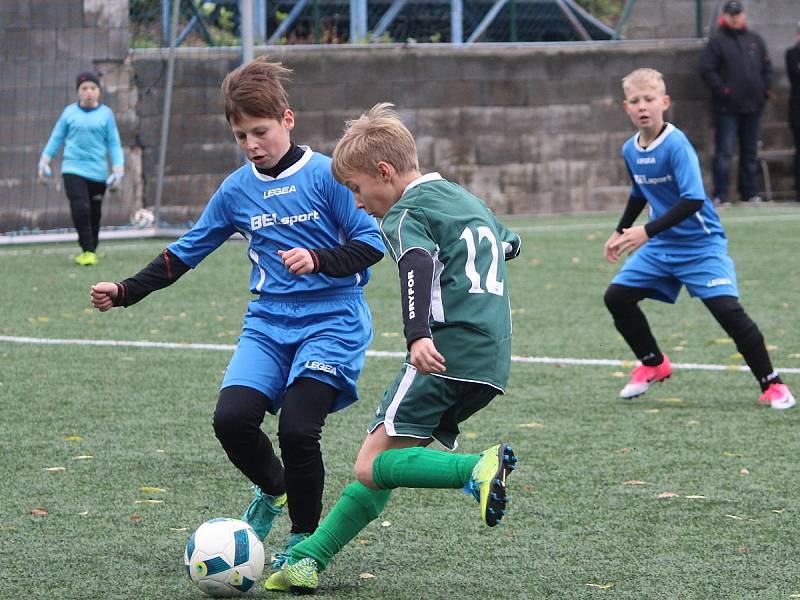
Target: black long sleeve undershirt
416, 281
345, 260
684, 209
165, 269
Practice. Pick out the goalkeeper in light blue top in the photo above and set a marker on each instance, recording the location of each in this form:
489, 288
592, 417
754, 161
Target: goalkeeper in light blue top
682, 244
89, 134
305, 334
450, 251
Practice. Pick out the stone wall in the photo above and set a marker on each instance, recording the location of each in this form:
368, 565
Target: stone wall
529, 128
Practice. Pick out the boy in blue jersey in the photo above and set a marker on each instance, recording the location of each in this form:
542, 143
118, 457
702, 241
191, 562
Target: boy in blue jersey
88, 131
683, 244
305, 334
450, 251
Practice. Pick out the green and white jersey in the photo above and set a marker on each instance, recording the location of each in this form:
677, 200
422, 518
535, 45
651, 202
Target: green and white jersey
470, 312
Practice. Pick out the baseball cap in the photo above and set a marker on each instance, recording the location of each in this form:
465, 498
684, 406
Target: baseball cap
733, 7
87, 76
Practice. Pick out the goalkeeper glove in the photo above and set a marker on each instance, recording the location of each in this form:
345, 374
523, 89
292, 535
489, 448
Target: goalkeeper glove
115, 177
44, 169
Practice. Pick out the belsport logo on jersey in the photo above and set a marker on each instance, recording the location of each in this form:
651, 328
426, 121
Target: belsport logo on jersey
268, 220
319, 366
646, 160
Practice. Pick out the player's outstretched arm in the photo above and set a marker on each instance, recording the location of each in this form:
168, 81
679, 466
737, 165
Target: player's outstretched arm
103, 295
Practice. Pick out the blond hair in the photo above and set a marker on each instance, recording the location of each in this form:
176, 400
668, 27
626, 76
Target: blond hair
256, 89
378, 136
644, 77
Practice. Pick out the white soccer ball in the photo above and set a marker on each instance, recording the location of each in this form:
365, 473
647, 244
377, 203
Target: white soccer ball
224, 557
142, 218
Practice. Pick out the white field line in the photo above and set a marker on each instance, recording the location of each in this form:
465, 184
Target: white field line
607, 225
602, 362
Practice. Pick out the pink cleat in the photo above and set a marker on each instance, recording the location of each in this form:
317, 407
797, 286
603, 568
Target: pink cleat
778, 397
642, 376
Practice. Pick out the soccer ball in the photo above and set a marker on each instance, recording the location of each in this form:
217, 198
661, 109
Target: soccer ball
142, 218
224, 557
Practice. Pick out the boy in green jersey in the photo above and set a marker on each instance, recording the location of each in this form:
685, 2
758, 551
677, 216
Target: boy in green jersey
450, 252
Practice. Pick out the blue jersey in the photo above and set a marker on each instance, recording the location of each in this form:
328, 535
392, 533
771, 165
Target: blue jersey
664, 173
304, 207
87, 134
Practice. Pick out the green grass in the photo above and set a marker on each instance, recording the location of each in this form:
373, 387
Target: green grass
576, 528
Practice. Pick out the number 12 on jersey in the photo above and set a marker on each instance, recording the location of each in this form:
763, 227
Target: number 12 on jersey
483, 234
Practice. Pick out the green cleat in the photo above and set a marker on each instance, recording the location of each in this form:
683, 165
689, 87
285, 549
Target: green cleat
86, 259
488, 482
262, 512
281, 557
300, 578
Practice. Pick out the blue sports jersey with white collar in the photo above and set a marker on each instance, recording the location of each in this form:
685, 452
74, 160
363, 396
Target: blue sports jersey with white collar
665, 172
304, 207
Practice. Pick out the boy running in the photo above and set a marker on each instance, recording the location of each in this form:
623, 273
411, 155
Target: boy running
450, 252
682, 244
305, 334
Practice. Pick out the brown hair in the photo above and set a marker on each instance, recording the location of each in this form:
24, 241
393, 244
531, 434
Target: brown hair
256, 89
378, 136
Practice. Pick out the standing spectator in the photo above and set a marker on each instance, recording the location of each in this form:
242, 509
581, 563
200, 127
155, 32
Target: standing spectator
736, 67
793, 71
88, 131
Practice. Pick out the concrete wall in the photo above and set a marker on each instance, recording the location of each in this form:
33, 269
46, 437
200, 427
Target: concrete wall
533, 128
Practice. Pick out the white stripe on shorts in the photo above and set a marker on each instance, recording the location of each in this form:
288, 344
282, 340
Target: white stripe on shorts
391, 410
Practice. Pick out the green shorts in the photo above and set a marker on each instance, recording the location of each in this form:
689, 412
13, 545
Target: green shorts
430, 406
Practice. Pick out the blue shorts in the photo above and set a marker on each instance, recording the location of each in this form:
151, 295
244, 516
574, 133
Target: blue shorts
321, 336
704, 275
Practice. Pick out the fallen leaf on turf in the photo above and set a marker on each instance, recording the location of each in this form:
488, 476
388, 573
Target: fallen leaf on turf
738, 518
736, 356
623, 451
362, 541
678, 348
160, 451
82, 457
692, 423
695, 497
386, 523
73, 438
136, 518
794, 595
366, 576
742, 549
667, 495
722, 341
600, 586
83, 514
147, 489
634, 482
532, 425
148, 501
179, 529
744, 471
772, 347
652, 410
576, 260
734, 454
39, 512
471, 435
778, 511
390, 334
618, 374
670, 400
54, 469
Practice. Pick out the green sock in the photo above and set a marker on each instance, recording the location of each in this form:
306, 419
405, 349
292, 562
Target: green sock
422, 468
357, 506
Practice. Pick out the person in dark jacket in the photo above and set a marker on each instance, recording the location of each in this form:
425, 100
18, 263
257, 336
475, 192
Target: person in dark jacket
736, 67
793, 71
